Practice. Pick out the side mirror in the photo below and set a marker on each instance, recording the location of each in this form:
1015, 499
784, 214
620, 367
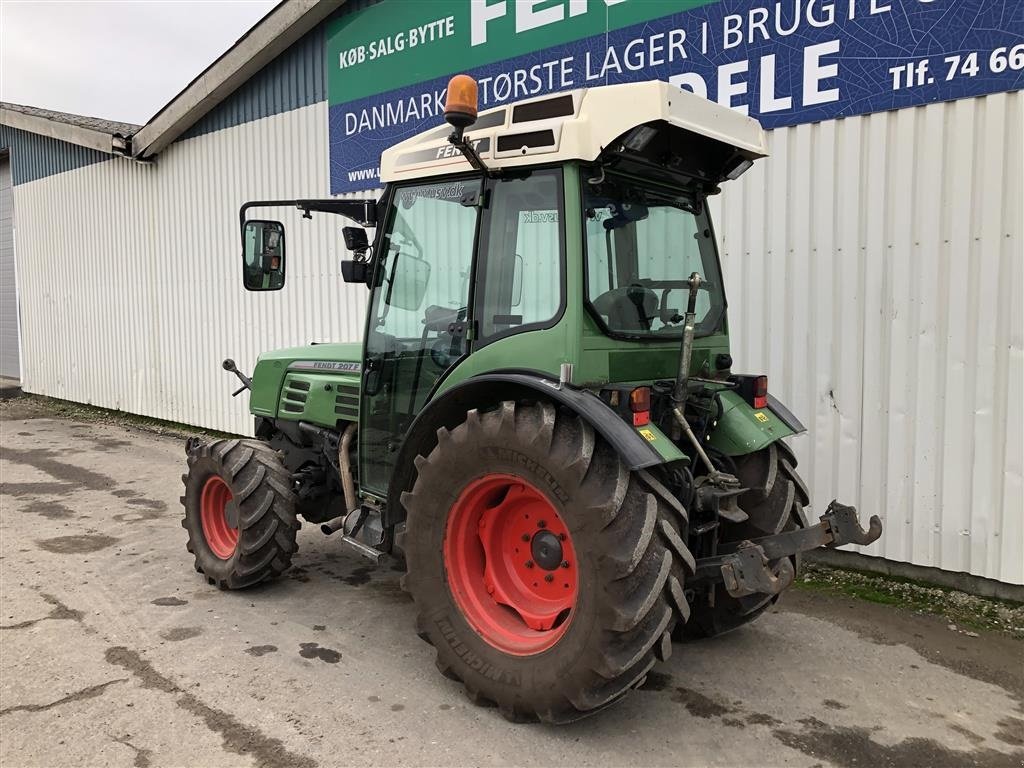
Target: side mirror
355, 271
263, 256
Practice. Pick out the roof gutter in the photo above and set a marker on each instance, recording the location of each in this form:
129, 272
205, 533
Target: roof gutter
284, 25
112, 144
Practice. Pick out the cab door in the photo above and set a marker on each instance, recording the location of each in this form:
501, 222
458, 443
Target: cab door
419, 319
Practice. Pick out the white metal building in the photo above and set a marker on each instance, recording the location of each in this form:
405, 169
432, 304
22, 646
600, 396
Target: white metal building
874, 267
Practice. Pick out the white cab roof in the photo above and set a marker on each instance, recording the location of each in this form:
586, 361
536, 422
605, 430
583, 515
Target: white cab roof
573, 125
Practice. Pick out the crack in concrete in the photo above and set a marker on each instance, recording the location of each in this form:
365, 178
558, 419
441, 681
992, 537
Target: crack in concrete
59, 612
143, 757
86, 693
238, 738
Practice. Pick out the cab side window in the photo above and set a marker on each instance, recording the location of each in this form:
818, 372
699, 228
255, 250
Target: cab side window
521, 270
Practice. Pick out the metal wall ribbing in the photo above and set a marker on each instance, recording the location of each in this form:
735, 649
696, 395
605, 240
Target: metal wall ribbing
875, 271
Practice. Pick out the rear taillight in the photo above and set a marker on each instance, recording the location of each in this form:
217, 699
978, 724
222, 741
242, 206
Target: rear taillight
640, 405
760, 392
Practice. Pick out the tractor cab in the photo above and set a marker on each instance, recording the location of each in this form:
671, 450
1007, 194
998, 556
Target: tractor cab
560, 233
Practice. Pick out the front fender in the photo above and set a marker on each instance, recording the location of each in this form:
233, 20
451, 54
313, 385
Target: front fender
744, 429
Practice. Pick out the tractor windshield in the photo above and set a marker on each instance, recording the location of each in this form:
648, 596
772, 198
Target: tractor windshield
643, 242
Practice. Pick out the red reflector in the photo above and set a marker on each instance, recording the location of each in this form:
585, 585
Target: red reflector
760, 392
641, 418
640, 399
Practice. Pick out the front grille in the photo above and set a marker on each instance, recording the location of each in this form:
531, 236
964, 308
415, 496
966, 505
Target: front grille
294, 395
346, 402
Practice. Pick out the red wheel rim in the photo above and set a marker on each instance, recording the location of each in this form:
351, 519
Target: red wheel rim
511, 565
221, 536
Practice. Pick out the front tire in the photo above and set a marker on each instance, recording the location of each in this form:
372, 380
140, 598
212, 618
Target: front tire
239, 512
499, 491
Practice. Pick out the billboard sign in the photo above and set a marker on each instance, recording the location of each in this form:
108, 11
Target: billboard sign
782, 61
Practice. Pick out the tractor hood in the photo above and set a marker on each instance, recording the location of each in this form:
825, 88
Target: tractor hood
342, 358
318, 383
584, 124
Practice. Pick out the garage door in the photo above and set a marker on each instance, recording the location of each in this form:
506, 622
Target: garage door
9, 349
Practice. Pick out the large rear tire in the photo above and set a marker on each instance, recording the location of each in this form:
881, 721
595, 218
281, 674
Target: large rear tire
546, 574
774, 501
239, 512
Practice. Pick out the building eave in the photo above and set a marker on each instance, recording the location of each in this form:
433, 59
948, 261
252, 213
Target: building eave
73, 134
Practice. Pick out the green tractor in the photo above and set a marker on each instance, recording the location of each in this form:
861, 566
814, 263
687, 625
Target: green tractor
542, 421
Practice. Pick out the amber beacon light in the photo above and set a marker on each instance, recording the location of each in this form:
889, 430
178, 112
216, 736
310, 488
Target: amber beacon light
460, 102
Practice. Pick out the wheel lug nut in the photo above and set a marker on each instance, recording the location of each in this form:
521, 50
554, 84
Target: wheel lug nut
565, 563
526, 537
529, 563
542, 524
549, 577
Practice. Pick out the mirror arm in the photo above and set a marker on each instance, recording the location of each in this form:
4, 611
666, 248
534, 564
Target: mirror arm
362, 211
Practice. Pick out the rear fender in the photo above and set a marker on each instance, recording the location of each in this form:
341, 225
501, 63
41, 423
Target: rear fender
743, 429
638, 451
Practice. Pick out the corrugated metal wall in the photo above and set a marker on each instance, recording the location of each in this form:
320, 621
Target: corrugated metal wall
874, 271
130, 280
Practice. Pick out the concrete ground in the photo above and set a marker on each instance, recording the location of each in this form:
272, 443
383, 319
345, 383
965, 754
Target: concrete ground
114, 652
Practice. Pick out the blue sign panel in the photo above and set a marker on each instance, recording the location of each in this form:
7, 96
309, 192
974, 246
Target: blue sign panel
784, 62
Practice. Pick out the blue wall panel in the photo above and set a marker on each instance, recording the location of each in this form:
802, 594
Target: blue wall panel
35, 157
296, 78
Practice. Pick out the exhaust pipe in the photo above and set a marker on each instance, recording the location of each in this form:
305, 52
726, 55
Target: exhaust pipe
347, 485
333, 526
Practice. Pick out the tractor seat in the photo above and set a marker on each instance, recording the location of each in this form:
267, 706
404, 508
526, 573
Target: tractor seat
630, 308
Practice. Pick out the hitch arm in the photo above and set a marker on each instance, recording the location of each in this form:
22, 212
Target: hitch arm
838, 526
745, 567
845, 526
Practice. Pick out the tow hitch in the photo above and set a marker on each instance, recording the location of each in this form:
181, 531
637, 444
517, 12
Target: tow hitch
746, 569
